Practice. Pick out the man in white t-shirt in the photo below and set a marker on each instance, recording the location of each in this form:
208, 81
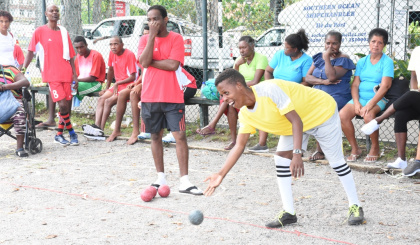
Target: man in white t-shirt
7, 42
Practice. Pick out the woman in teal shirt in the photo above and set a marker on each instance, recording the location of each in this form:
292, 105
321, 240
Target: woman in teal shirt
375, 69
290, 64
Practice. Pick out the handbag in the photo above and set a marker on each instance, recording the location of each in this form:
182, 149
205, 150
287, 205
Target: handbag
8, 103
209, 90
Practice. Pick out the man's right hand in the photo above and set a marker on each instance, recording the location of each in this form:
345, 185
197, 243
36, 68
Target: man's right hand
154, 27
215, 181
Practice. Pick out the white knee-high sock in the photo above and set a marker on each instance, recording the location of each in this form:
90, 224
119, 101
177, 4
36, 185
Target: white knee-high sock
346, 177
284, 180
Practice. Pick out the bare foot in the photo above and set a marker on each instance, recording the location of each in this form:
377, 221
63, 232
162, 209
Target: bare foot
113, 136
132, 139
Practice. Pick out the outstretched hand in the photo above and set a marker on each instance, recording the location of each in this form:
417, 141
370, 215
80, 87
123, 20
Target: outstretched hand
215, 180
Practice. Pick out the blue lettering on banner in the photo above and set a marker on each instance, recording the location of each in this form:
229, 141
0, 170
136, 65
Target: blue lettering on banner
342, 10
348, 37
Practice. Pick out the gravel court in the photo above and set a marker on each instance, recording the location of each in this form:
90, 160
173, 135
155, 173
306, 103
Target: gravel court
90, 194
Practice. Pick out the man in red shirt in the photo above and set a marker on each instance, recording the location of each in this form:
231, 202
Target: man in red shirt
56, 53
122, 67
161, 53
90, 68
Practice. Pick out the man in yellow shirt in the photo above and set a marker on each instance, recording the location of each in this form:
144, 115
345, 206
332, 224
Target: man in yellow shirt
294, 112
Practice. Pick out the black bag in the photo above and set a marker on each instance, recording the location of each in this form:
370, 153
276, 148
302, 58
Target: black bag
400, 86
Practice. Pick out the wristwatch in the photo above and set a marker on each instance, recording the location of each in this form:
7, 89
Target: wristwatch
297, 151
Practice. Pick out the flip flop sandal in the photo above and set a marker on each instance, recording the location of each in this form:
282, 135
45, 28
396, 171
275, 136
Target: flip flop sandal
43, 125
230, 146
319, 158
192, 190
155, 185
374, 159
212, 131
353, 158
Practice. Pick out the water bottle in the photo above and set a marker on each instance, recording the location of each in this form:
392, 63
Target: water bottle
28, 77
73, 89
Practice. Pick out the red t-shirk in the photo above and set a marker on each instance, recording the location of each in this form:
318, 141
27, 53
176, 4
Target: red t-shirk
160, 85
93, 65
18, 55
50, 46
124, 65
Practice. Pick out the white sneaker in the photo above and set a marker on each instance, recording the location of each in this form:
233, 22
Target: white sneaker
169, 138
143, 136
92, 130
370, 127
399, 163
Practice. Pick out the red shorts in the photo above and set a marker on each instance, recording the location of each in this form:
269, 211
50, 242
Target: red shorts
226, 111
60, 91
120, 87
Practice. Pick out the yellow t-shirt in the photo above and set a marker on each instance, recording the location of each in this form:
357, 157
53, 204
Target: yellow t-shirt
275, 98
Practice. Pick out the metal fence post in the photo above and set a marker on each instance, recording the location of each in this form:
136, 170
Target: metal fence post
205, 62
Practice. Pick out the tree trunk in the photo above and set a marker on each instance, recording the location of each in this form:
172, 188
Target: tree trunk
198, 9
277, 6
212, 9
96, 12
71, 17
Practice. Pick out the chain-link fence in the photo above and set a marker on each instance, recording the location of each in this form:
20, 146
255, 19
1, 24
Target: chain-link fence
268, 21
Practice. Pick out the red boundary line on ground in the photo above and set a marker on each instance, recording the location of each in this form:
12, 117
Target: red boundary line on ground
298, 233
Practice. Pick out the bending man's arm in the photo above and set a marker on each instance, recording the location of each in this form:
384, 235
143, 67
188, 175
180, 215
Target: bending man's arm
296, 166
234, 154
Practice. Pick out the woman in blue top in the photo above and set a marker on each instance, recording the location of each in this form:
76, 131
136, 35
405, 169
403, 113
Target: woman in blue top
331, 72
375, 69
290, 64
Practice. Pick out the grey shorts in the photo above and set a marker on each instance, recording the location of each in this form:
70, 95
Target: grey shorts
329, 136
157, 116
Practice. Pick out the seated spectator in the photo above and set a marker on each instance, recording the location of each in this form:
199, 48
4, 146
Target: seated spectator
290, 64
90, 68
189, 92
331, 72
375, 69
252, 66
406, 108
122, 67
12, 79
132, 92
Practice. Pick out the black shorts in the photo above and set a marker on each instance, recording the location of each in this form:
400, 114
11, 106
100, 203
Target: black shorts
157, 116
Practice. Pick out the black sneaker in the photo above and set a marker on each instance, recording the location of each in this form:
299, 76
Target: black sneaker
412, 168
283, 218
356, 215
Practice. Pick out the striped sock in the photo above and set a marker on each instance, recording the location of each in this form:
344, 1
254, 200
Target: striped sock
346, 177
66, 119
60, 127
284, 180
